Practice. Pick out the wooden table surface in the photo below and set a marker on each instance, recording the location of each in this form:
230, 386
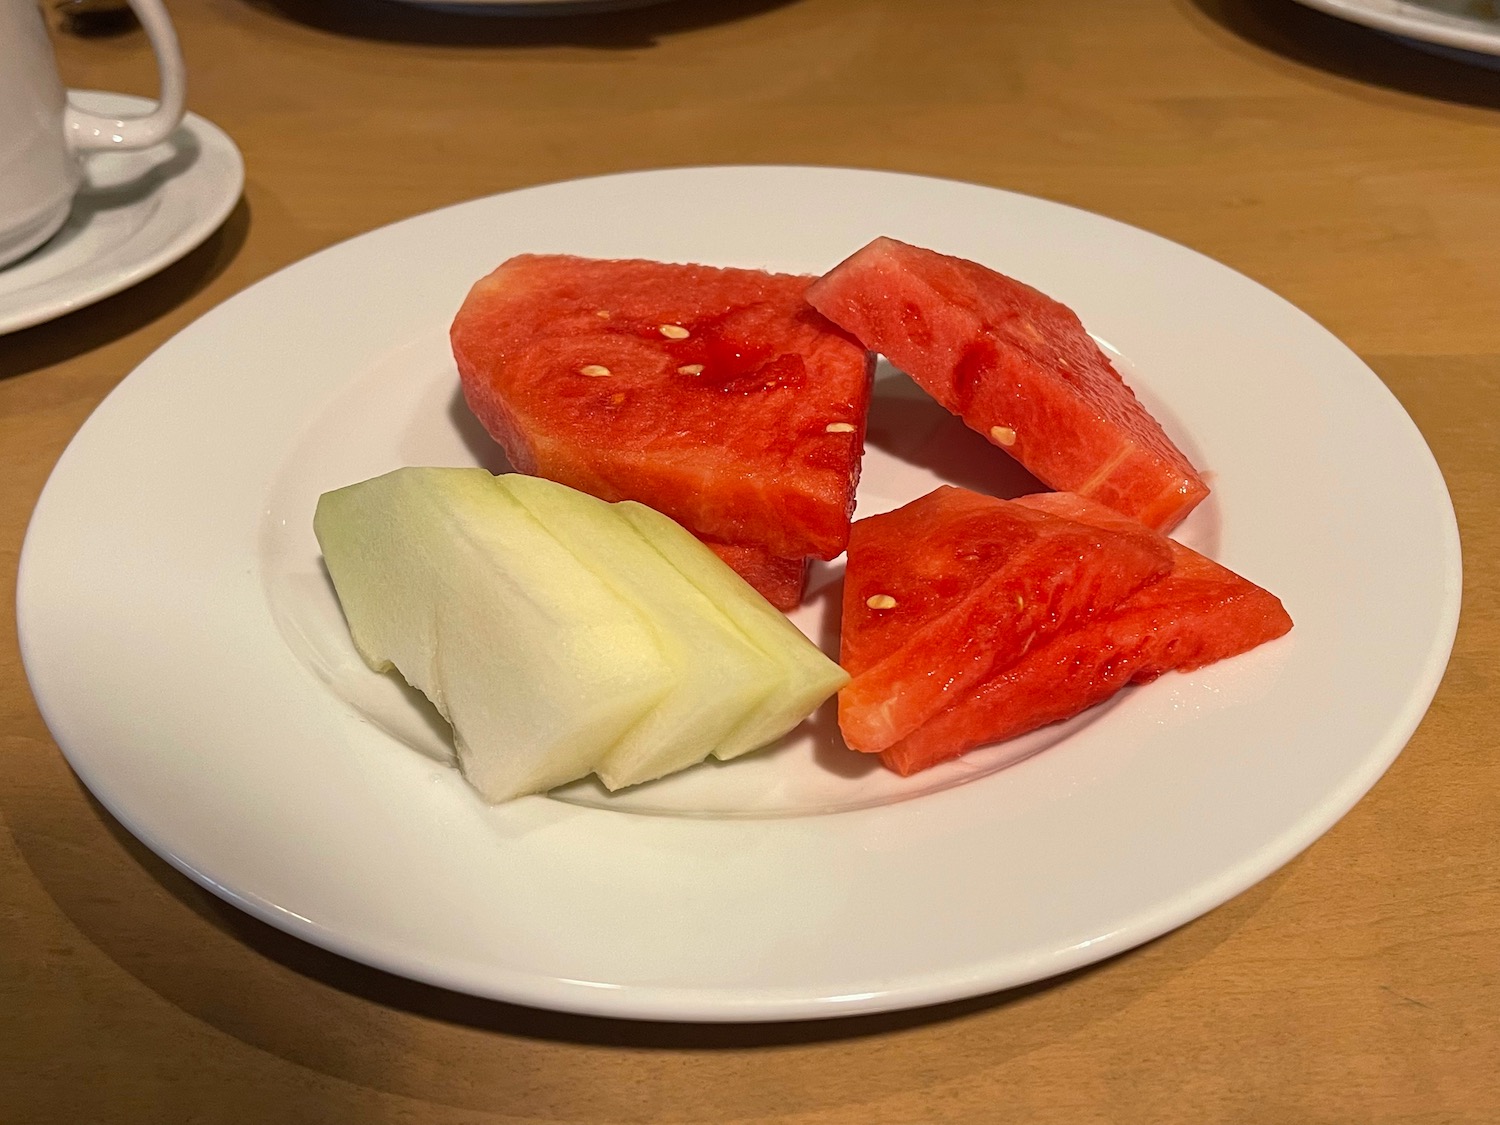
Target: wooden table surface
1356, 176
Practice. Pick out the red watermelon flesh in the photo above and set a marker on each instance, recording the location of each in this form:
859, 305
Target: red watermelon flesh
940, 593
1016, 366
1199, 613
780, 581
716, 396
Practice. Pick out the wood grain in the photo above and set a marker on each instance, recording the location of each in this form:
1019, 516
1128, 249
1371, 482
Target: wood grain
1358, 177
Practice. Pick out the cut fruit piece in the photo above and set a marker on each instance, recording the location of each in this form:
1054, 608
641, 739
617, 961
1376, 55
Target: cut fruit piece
536, 662
720, 675
716, 396
807, 677
780, 581
944, 591
1016, 366
559, 634
1199, 613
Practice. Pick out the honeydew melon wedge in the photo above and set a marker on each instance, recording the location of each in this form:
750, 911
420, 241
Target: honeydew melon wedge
806, 676
721, 677
538, 663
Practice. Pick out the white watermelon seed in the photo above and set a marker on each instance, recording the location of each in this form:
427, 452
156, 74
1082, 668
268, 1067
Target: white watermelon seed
594, 370
838, 428
880, 601
1003, 434
602, 314
674, 332
690, 369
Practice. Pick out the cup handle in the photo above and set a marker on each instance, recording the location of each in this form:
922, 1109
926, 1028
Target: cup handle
91, 132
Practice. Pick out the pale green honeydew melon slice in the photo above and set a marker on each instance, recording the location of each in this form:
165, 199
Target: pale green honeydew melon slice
721, 677
807, 676
537, 663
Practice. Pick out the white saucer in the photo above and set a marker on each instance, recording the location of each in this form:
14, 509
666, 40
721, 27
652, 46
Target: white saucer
138, 213
1455, 24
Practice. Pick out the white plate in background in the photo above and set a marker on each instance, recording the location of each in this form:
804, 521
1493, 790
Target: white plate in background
1468, 25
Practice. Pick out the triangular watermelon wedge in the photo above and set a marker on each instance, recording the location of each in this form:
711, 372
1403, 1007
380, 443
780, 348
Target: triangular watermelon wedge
940, 593
1019, 368
719, 397
1199, 613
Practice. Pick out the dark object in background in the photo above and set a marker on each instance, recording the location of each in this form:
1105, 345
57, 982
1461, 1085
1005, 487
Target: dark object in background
90, 18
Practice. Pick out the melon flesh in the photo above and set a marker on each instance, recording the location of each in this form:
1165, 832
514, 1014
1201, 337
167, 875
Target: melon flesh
539, 665
716, 396
943, 591
1199, 613
1019, 368
805, 676
719, 676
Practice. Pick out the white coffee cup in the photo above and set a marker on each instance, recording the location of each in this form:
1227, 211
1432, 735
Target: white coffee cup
43, 138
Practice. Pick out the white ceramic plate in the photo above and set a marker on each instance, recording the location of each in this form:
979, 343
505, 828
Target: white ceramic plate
1468, 25
137, 213
189, 657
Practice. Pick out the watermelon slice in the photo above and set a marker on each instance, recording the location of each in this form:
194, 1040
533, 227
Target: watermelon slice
1199, 613
716, 396
1016, 366
780, 581
943, 591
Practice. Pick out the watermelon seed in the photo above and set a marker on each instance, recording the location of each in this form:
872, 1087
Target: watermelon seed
602, 314
1003, 434
838, 428
593, 370
674, 332
690, 369
880, 601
